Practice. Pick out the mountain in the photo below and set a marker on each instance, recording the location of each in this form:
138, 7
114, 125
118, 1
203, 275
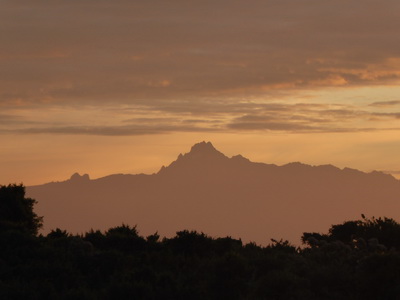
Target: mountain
210, 192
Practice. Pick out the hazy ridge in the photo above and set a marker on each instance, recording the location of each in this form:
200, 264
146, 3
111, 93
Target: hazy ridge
207, 191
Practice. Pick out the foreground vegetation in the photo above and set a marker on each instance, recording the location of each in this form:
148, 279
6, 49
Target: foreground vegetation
354, 260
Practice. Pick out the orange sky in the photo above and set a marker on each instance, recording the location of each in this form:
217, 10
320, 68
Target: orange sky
121, 86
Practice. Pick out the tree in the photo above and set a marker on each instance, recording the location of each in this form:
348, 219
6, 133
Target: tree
124, 238
376, 233
16, 211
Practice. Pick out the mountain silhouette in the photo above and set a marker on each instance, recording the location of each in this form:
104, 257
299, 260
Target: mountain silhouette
207, 191
79, 178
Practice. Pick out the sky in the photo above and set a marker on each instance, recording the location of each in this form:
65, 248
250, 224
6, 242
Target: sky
104, 87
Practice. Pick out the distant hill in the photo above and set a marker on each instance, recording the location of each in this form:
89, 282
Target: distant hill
208, 191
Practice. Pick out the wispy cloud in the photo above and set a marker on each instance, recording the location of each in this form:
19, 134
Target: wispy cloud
110, 130
388, 115
7, 119
207, 117
386, 103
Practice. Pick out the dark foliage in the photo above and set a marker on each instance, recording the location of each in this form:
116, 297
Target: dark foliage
16, 211
354, 260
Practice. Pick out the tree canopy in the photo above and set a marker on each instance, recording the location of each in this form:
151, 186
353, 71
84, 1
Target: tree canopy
16, 211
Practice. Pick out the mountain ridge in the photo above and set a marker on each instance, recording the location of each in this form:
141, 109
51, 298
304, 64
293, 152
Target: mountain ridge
207, 191
204, 152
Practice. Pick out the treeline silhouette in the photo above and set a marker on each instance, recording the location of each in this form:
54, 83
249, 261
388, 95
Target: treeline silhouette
354, 260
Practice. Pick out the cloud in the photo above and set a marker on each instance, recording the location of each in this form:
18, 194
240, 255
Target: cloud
386, 103
108, 130
208, 116
390, 115
302, 117
133, 51
6, 118
268, 125
162, 67
12, 120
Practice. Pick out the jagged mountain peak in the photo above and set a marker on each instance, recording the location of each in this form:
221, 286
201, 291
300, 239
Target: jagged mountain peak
202, 150
200, 155
202, 147
77, 177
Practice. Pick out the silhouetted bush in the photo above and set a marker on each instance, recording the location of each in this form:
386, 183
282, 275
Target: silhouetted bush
16, 211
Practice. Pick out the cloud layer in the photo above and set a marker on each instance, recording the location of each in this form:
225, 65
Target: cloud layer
128, 51
198, 66
205, 116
